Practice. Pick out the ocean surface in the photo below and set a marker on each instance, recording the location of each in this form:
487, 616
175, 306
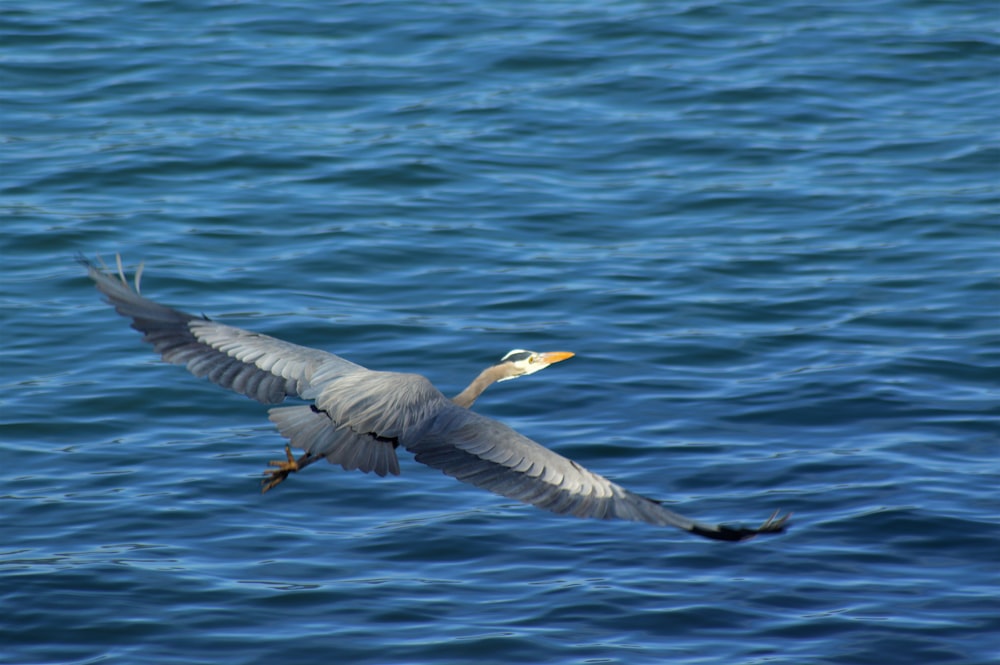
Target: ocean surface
769, 231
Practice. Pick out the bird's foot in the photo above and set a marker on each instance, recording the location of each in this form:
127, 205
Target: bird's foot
284, 467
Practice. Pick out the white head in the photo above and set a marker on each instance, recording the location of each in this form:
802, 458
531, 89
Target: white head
523, 362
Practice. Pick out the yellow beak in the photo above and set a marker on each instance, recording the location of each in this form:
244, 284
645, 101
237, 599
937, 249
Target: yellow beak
555, 356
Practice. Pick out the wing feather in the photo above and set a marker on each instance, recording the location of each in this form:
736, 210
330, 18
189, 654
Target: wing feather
359, 419
490, 455
311, 430
264, 368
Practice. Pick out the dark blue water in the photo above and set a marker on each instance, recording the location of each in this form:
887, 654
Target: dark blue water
770, 232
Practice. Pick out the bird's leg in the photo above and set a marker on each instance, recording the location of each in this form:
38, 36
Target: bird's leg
284, 467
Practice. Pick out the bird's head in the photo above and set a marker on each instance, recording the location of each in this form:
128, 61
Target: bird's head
520, 362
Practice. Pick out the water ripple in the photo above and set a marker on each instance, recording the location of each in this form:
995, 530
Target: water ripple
767, 231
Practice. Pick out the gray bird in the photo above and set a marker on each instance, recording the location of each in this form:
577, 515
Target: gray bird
357, 417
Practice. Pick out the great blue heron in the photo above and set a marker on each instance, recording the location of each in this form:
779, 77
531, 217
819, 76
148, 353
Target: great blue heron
358, 417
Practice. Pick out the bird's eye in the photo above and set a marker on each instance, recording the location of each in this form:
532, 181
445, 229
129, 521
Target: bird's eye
517, 356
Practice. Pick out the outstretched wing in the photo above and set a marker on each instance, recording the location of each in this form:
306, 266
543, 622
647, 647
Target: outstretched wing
264, 368
488, 454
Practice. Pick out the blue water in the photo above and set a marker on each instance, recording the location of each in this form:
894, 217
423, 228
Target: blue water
770, 232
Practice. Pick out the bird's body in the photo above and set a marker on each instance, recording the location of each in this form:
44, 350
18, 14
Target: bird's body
358, 418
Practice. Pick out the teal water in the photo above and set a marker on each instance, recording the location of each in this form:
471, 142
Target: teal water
770, 232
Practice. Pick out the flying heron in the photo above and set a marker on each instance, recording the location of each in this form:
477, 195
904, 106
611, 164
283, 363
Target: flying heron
357, 417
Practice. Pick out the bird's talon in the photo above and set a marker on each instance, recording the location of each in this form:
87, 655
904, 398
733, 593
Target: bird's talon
284, 467
274, 478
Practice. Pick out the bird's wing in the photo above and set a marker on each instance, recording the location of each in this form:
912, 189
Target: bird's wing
264, 368
359, 419
311, 429
488, 454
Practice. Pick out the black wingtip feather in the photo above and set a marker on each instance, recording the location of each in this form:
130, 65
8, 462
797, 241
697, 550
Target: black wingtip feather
733, 534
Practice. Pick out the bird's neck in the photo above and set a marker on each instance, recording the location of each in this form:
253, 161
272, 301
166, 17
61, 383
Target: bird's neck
486, 378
